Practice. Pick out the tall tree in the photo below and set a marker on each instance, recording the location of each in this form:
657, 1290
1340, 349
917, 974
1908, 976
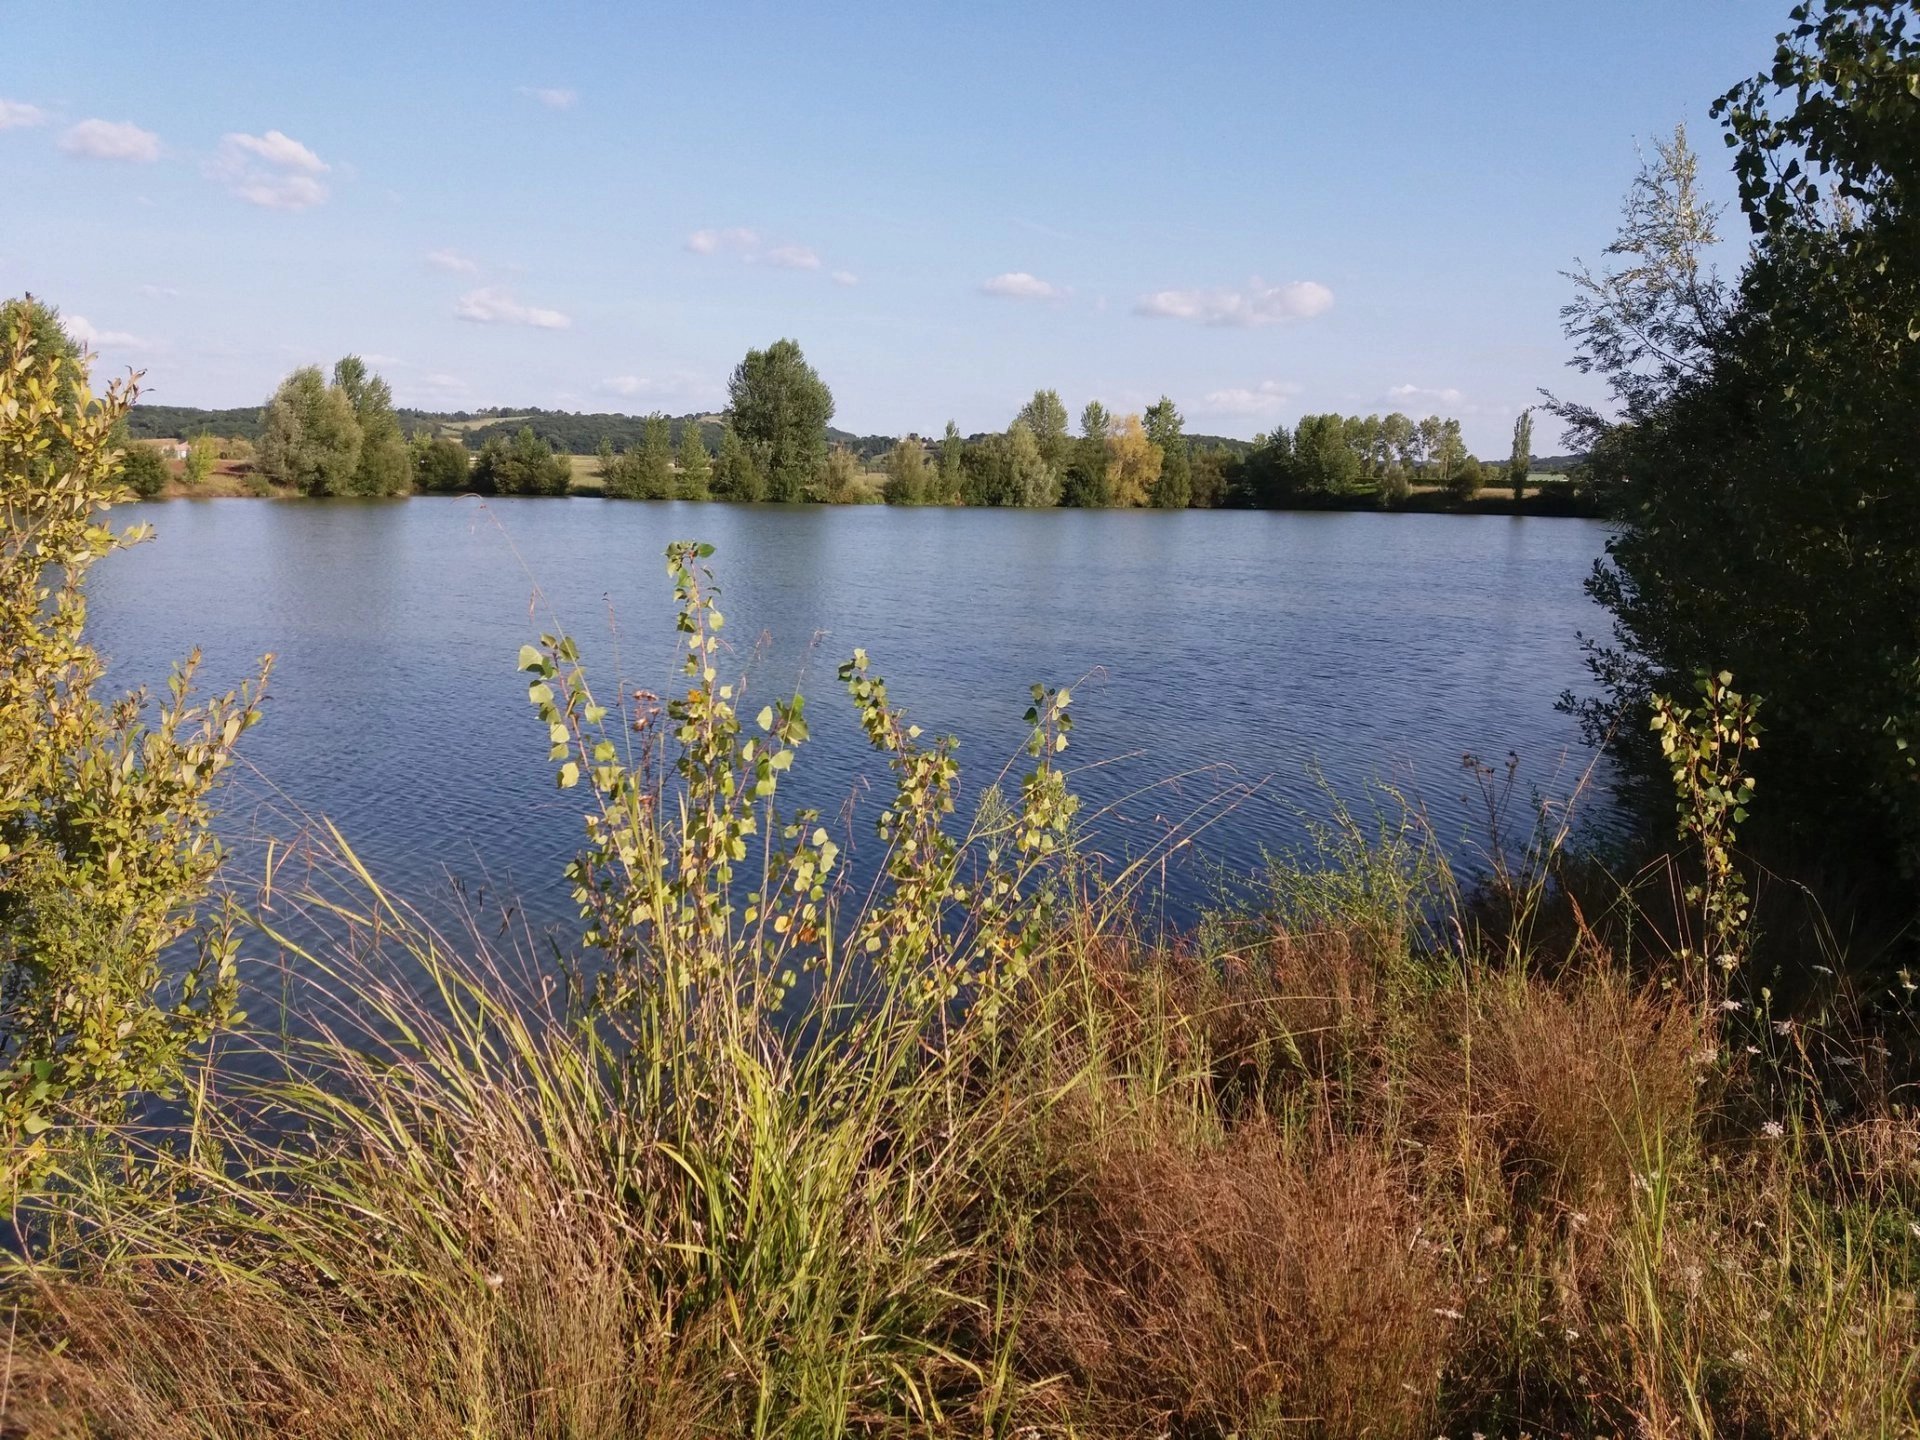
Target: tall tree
309, 437
1046, 417
780, 407
441, 466
1173, 487
696, 468
1085, 482
1033, 483
950, 481
655, 459
382, 466
1520, 461
1133, 463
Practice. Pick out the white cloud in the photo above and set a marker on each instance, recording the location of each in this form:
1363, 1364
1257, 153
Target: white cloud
625, 385
1258, 304
273, 170
159, 292
553, 97
753, 248
491, 305
383, 359
18, 115
111, 140
1422, 395
84, 330
681, 386
737, 240
1267, 398
1019, 285
454, 261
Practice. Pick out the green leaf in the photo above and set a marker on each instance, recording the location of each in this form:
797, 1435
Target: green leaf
531, 659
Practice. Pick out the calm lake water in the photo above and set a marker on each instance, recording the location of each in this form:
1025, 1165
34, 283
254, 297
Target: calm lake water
1223, 663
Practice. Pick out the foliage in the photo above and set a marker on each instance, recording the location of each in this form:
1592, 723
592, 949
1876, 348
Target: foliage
310, 439
440, 466
383, 467
694, 466
1046, 417
645, 472
950, 483
1031, 480
1172, 489
1133, 463
910, 478
1760, 462
737, 475
840, 480
525, 467
1520, 461
203, 453
1706, 745
780, 407
143, 471
106, 850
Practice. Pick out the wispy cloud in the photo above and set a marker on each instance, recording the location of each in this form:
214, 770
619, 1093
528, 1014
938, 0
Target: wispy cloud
453, 261
160, 292
1019, 285
1418, 395
1258, 304
1268, 398
491, 305
273, 170
111, 140
18, 115
87, 333
681, 385
754, 248
1038, 229
553, 97
736, 241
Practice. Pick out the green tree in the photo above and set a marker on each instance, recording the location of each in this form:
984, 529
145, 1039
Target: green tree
1046, 417
1085, 482
1031, 481
382, 467
653, 462
1173, 488
1324, 463
441, 466
309, 437
693, 482
203, 453
1520, 461
781, 407
951, 482
107, 853
737, 474
1759, 463
909, 477
527, 466
143, 471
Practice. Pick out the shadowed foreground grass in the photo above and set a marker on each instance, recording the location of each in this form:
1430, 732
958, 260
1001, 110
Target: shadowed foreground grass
968, 1154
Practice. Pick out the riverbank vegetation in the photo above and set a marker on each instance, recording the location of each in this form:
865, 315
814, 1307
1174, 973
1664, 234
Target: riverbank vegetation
1377, 1150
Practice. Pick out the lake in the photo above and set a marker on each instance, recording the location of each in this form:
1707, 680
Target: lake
1228, 667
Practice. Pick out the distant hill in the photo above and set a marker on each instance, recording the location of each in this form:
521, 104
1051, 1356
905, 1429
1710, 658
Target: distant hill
571, 432
1557, 464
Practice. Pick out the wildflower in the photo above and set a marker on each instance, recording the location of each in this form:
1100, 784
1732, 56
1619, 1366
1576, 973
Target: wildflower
1783, 1027
1773, 1129
494, 1282
1449, 1314
1730, 1005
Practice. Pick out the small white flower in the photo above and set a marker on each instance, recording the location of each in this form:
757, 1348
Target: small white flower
494, 1282
1449, 1314
1773, 1129
1783, 1027
1730, 1005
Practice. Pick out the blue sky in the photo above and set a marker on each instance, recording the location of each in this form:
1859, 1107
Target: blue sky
1259, 209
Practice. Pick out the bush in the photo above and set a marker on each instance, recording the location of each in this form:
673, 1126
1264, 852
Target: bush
143, 471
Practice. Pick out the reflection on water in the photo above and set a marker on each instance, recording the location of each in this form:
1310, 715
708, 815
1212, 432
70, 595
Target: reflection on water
1212, 654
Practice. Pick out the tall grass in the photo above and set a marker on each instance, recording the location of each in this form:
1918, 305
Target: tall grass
968, 1152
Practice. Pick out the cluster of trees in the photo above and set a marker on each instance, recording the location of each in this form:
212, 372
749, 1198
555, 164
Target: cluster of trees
655, 469
338, 438
1760, 450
